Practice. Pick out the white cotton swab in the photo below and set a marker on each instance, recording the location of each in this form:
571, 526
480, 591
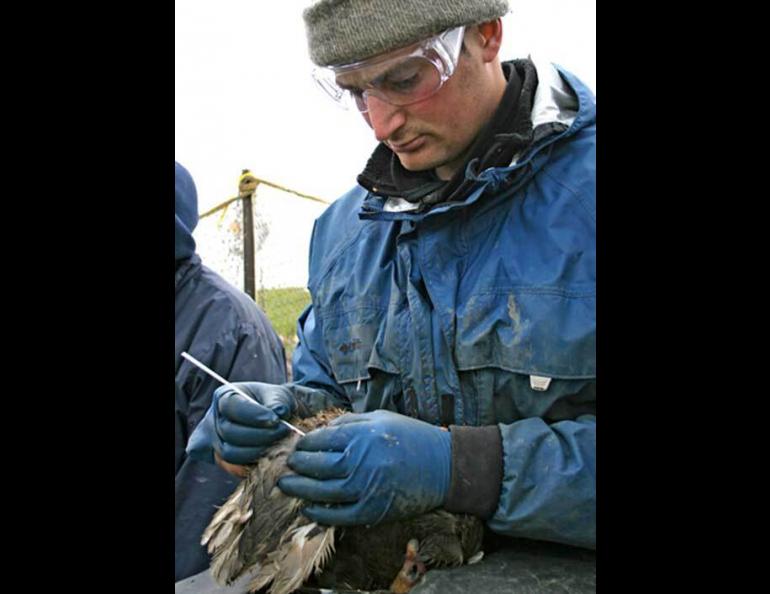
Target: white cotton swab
219, 378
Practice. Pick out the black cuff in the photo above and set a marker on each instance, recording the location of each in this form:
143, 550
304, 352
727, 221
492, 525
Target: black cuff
477, 470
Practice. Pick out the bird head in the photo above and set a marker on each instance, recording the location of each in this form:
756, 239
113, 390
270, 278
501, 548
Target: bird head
412, 570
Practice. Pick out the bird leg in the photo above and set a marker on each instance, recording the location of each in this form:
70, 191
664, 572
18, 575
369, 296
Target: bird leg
411, 572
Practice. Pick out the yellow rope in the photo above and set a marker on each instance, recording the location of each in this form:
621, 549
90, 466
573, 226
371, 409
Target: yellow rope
267, 183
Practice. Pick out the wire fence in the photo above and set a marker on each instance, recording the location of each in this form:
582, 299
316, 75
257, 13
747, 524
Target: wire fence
268, 258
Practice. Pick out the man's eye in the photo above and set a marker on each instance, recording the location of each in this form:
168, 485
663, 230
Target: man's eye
406, 77
405, 84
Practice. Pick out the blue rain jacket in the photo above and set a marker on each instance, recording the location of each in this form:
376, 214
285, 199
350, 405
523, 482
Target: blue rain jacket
223, 328
477, 312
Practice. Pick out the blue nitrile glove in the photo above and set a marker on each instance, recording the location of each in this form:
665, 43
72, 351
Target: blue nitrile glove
239, 429
371, 467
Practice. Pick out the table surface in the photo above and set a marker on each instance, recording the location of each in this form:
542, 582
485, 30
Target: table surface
524, 568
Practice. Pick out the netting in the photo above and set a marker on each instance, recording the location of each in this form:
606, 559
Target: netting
282, 224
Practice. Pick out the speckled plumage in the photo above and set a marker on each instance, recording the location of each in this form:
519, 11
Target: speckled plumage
262, 531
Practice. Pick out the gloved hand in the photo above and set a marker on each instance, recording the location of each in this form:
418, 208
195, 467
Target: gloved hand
372, 467
240, 429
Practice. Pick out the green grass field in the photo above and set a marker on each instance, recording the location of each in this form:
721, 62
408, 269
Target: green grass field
283, 307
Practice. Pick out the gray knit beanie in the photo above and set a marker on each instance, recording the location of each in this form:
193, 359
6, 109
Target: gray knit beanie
345, 31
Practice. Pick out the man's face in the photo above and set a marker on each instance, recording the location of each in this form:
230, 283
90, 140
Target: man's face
436, 132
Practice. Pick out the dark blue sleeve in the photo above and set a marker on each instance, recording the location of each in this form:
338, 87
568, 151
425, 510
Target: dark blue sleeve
249, 352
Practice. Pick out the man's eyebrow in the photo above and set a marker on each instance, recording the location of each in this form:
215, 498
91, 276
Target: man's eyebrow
384, 73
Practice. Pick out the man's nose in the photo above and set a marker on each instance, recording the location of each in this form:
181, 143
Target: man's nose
385, 119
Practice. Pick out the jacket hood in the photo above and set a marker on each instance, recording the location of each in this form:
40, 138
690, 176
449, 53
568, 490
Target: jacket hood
542, 104
185, 212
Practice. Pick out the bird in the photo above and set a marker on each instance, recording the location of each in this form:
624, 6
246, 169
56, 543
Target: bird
261, 531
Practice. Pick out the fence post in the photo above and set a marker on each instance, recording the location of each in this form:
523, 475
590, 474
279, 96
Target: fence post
247, 186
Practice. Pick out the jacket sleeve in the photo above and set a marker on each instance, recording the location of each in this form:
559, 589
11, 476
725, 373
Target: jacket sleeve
313, 385
548, 489
258, 356
247, 353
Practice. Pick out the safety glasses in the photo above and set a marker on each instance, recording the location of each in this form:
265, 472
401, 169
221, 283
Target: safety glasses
400, 78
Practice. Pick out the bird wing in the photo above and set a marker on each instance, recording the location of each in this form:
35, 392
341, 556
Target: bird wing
307, 550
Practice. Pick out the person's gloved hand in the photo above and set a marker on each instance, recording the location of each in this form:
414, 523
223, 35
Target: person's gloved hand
371, 467
238, 429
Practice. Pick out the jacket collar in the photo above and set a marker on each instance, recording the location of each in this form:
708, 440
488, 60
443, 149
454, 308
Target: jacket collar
541, 103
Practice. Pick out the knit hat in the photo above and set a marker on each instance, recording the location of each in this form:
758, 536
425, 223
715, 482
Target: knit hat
345, 31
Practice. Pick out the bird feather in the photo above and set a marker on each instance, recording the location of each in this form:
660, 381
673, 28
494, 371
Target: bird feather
262, 531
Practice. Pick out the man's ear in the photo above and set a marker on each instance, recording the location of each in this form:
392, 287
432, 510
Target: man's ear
491, 34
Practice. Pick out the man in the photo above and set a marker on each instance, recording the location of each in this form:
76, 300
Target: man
223, 328
454, 286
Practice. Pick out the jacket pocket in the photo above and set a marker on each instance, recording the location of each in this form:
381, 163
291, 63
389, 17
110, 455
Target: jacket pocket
526, 353
349, 339
544, 332
362, 366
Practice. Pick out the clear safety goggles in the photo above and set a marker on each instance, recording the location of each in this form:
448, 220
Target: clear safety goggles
399, 78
